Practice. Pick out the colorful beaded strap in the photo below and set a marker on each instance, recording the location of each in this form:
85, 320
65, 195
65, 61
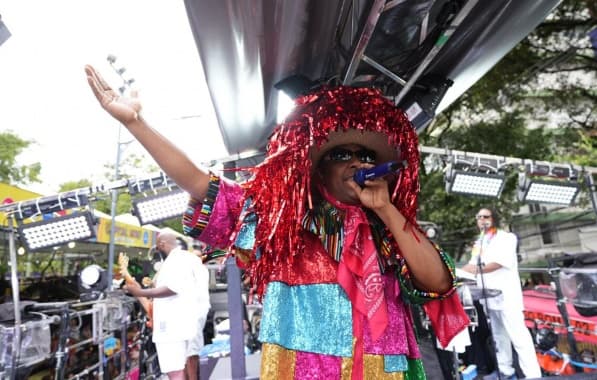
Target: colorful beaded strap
195, 219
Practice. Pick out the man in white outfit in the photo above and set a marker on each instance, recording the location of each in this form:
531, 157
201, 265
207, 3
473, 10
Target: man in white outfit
181, 300
499, 270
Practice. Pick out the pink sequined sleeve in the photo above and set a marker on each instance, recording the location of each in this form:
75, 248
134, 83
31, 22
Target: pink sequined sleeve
213, 219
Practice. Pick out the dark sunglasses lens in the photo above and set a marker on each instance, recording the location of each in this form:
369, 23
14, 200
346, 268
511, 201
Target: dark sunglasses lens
340, 154
366, 156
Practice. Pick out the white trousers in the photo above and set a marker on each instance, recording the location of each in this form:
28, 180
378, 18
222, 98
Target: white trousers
509, 330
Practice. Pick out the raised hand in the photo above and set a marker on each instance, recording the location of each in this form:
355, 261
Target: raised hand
131, 285
124, 109
123, 263
147, 282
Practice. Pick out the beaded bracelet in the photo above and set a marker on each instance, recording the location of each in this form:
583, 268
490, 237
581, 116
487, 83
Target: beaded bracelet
195, 219
417, 296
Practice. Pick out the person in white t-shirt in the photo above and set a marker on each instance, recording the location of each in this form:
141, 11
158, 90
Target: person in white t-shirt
180, 299
499, 270
201, 273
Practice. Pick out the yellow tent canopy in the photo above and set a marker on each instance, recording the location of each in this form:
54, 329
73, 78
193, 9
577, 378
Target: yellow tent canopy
10, 194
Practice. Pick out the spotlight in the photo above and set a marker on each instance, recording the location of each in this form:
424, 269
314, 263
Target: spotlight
547, 184
295, 85
469, 183
160, 207
431, 230
289, 89
57, 231
549, 192
546, 338
475, 176
93, 281
285, 106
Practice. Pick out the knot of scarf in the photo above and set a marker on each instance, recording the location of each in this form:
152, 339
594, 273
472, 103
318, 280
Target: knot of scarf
360, 277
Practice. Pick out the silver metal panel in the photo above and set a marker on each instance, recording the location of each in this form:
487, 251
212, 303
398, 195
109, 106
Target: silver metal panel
248, 46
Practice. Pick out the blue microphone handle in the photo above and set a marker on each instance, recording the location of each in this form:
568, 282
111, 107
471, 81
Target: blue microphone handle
362, 175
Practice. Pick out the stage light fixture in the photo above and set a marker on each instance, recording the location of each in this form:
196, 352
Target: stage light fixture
431, 230
93, 281
475, 176
160, 207
549, 192
546, 184
57, 231
481, 184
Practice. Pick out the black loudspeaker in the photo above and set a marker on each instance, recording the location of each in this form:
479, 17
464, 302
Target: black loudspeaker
423, 99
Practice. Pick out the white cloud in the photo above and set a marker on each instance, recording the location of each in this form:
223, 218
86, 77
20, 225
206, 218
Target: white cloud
44, 95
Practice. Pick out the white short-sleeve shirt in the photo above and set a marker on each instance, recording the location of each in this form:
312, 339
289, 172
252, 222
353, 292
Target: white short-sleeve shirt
175, 317
501, 248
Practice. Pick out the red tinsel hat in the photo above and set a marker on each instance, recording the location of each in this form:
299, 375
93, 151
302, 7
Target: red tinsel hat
281, 185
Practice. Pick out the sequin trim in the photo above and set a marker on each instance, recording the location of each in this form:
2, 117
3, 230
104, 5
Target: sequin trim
282, 364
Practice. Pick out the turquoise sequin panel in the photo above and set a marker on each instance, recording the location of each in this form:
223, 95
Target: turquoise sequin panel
246, 235
395, 363
313, 318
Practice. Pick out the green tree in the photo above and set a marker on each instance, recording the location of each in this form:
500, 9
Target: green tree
11, 146
550, 79
455, 213
101, 202
132, 166
539, 102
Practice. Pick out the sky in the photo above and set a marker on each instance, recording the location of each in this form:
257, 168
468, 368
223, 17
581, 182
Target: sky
45, 98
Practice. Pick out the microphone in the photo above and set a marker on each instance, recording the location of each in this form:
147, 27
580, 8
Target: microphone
362, 175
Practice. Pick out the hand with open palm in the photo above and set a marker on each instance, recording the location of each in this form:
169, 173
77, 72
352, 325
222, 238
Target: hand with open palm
122, 108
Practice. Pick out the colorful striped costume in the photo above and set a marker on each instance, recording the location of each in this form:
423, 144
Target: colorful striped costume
307, 323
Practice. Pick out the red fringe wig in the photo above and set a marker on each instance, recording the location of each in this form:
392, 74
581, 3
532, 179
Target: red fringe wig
280, 186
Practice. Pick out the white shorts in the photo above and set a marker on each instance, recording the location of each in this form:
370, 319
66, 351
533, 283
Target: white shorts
172, 355
196, 343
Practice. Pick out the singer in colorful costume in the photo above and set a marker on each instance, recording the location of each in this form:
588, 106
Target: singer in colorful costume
334, 285
335, 264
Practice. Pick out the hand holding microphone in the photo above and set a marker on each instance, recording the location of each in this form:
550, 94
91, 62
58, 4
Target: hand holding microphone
362, 175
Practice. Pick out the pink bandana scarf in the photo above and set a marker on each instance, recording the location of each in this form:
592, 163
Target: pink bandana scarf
360, 277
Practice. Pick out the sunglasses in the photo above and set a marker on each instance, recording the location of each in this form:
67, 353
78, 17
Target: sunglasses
483, 217
365, 156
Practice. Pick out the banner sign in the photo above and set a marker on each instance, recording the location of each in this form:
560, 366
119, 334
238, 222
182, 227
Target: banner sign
125, 234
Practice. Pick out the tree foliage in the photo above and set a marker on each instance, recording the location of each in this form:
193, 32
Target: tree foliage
550, 76
455, 213
131, 167
11, 146
101, 202
539, 102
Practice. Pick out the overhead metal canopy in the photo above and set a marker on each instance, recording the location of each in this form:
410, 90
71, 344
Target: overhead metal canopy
408, 48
